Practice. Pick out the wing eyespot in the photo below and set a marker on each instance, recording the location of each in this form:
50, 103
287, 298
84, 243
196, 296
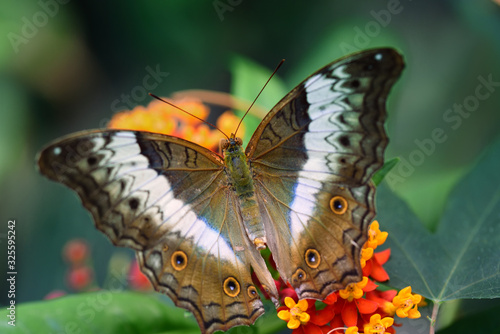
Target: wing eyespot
231, 287
179, 260
299, 276
313, 258
338, 205
252, 291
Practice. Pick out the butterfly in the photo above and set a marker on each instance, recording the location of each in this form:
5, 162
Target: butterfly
198, 220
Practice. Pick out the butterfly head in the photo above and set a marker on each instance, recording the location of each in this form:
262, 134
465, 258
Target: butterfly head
231, 145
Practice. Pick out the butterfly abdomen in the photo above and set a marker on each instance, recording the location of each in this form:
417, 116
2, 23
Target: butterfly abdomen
242, 182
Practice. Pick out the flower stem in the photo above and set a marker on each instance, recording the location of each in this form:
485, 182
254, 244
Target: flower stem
433, 318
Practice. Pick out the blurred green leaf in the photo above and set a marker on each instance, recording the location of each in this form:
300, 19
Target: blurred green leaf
247, 79
337, 40
117, 312
484, 322
13, 127
461, 259
100, 312
382, 172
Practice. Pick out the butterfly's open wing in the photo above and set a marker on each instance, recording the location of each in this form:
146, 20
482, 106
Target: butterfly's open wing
313, 157
169, 200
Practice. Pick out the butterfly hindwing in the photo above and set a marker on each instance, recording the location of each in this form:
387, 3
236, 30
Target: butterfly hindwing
169, 200
313, 156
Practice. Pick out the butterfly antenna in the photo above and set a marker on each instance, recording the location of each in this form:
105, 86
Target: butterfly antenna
274, 72
187, 112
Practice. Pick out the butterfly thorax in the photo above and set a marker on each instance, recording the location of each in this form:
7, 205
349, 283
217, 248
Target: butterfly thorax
242, 184
237, 168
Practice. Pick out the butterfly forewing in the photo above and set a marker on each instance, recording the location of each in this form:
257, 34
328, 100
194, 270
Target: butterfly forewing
168, 199
315, 151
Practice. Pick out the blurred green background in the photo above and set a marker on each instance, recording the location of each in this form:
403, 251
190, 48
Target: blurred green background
64, 66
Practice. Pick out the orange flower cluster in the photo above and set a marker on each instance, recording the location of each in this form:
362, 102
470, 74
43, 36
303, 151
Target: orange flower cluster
358, 307
163, 118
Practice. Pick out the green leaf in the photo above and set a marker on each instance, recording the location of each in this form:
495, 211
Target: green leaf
117, 312
460, 260
100, 312
248, 78
382, 172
